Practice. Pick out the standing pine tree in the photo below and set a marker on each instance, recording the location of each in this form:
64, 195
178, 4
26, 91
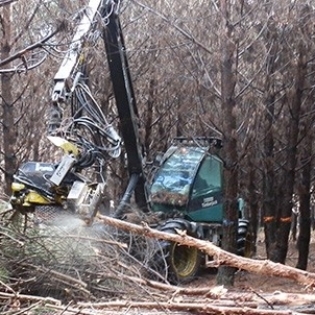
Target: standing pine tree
228, 81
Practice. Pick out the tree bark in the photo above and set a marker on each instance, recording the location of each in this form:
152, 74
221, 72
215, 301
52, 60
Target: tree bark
304, 194
283, 232
253, 209
9, 129
306, 158
230, 174
269, 193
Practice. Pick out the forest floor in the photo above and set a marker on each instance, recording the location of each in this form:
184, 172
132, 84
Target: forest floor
252, 293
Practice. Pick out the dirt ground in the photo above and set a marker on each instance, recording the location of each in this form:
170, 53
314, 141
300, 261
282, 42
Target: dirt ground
265, 284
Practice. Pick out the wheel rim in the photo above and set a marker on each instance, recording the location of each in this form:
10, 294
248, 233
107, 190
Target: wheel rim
184, 260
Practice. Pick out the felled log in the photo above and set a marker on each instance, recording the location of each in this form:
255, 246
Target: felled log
220, 256
200, 307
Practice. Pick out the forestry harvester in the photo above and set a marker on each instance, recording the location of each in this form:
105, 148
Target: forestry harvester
184, 187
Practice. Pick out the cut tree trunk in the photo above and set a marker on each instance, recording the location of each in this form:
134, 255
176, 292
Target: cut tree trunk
220, 256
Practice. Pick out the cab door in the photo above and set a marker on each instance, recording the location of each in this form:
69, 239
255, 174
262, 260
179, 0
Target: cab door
206, 196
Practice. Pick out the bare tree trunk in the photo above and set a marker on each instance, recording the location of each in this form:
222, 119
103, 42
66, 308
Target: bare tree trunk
226, 274
253, 211
149, 117
304, 194
8, 125
304, 237
306, 158
283, 231
268, 206
181, 122
294, 226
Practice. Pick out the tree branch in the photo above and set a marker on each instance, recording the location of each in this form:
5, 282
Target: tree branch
179, 29
5, 2
38, 44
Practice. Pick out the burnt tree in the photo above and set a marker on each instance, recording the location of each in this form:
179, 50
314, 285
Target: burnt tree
9, 138
228, 81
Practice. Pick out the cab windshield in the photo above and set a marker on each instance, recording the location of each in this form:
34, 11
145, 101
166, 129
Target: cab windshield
176, 175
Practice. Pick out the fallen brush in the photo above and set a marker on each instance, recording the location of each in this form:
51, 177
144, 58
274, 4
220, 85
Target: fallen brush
67, 259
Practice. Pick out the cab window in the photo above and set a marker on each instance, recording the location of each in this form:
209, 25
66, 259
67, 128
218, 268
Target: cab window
209, 176
177, 173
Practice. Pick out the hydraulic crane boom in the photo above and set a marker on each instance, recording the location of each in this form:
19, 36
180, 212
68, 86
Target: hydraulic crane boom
62, 87
126, 105
68, 76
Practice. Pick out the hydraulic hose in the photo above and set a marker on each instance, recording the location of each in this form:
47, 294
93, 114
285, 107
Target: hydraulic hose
127, 195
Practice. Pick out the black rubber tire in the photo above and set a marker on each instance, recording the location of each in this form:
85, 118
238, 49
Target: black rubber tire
183, 262
243, 239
